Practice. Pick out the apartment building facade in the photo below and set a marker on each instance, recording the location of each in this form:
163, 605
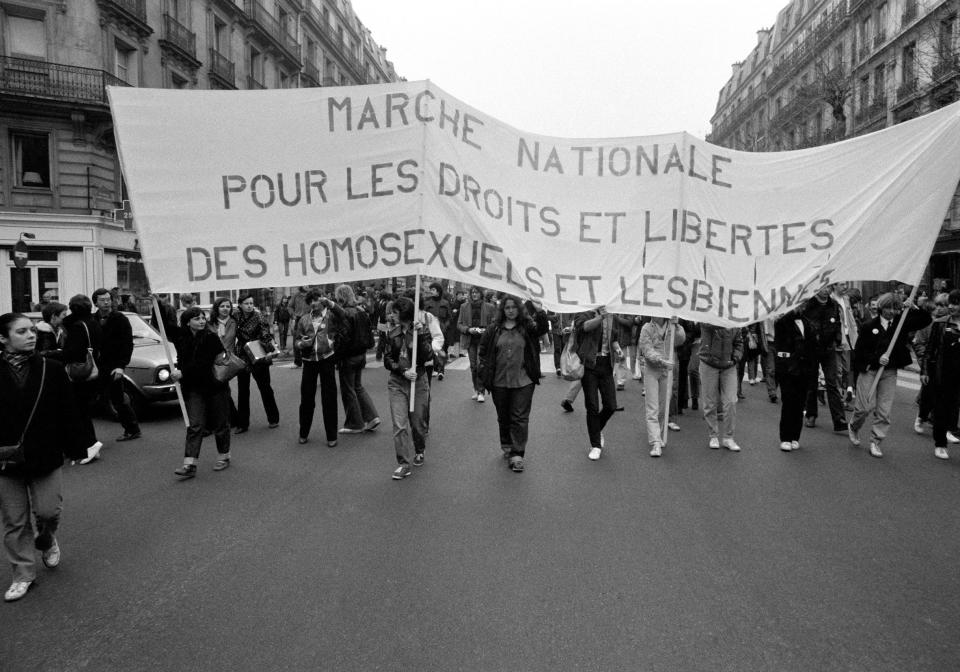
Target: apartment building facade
832, 69
61, 191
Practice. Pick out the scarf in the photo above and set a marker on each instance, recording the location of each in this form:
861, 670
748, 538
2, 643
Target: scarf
17, 361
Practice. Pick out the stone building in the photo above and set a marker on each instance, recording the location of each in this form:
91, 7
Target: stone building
831, 69
60, 185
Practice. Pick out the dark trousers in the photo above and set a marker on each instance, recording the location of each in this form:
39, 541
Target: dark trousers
946, 404
297, 355
472, 355
207, 411
326, 371
283, 328
598, 388
559, 343
86, 393
793, 395
513, 417
358, 408
828, 360
121, 403
261, 374
926, 399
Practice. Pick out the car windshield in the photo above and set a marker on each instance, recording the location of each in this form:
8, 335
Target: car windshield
141, 329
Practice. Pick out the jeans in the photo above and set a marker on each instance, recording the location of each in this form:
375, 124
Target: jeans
409, 432
358, 408
472, 355
326, 371
770, 369
283, 329
880, 403
513, 417
719, 390
598, 382
573, 390
261, 374
207, 410
655, 399
21, 499
828, 360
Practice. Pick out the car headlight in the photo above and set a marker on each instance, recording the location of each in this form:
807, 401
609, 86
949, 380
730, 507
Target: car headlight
163, 375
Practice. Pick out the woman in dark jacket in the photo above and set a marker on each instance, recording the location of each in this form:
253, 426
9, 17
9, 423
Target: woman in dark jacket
51, 336
509, 366
252, 327
795, 343
940, 371
31, 488
206, 398
83, 332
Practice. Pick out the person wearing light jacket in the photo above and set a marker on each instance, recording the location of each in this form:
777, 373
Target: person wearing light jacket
657, 363
721, 349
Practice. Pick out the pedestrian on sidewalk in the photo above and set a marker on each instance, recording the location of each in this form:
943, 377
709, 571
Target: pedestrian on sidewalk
509, 361
868, 358
40, 414
316, 345
658, 361
206, 398
721, 349
794, 341
409, 430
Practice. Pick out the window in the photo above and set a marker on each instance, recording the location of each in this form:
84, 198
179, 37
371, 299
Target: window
909, 63
255, 65
26, 37
125, 63
945, 39
879, 83
221, 37
864, 91
838, 55
31, 159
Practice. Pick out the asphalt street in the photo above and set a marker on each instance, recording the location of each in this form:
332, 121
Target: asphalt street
304, 557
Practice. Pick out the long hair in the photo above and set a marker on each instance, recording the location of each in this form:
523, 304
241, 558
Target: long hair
521, 311
345, 296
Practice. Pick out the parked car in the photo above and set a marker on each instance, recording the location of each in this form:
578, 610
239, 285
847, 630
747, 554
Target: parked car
147, 377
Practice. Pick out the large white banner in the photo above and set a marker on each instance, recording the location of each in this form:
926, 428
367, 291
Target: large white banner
294, 187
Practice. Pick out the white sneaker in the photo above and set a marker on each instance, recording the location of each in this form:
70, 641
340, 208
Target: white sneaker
657, 450
941, 453
714, 443
594, 454
16, 590
854, 438
672, 426
875, 450
731, 445
474, 396
786, 446
795, 445
480, 397
93, 453
918, 426
951, 438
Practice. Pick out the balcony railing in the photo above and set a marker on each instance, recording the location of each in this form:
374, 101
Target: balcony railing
271, 26
311, 74
223, 68
136, 8
179, 36
907, 89
55, 81
254, 84
946, 67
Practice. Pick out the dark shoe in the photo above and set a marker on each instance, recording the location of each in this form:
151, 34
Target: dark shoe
773, 398
241, 430
559, 373
129, 436
401, 472
810, 421
418, 460
186, 471
618, 408
620, 387
372, 425
694, 405
302, 440
440, 376
741, 395
566, 406
840, 426
221, 464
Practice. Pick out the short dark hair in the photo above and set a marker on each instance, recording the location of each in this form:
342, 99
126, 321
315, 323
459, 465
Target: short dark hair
437, 286
245, 296
7, 320
404, 308
51, 309
313, 295
100, 292
954, 296
80, 304
189, 314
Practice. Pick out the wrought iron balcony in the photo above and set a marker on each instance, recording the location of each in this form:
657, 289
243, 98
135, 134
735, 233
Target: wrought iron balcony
310, 77
55, 81
131, 13
179, 36
270, 26
223, 69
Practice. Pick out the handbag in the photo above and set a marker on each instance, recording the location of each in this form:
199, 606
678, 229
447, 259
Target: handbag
227, 365
87, 369
571, 368
11, 456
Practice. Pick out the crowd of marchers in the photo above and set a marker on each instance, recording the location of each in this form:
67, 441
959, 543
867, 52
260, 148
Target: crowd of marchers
833, 350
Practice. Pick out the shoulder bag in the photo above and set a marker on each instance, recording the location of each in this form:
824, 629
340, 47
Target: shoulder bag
571, 368
87, 369
227, 365
12, 456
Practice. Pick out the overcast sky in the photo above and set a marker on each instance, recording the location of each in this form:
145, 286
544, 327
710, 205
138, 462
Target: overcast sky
595, 68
